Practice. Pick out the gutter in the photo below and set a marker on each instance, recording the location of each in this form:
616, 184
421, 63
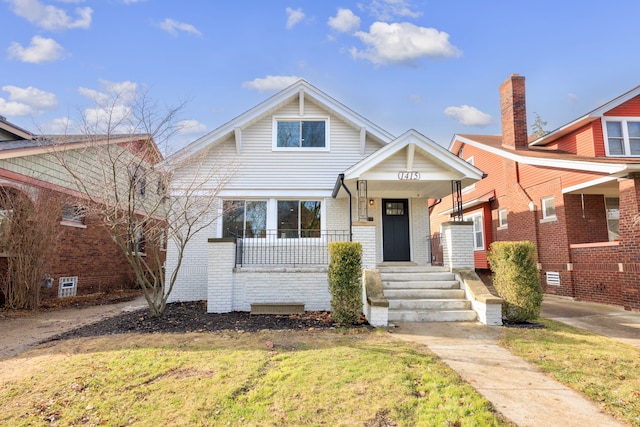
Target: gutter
336, 189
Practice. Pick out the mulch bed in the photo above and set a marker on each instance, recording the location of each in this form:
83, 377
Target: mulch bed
193, 317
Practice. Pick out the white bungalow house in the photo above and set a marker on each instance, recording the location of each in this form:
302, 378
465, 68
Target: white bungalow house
310, 170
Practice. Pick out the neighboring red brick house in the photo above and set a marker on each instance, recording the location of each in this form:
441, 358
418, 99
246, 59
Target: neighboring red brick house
574, 192
84, 255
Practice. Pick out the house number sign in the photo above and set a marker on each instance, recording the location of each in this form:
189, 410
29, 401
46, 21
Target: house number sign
409, 176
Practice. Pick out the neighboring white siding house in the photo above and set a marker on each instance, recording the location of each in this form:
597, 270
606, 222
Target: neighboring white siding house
308, 170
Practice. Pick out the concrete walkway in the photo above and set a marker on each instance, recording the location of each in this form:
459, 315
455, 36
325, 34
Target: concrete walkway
518, 390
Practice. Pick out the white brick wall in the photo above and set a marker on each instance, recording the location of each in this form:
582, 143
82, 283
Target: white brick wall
308, 285
366, 235
457, 244
220, 289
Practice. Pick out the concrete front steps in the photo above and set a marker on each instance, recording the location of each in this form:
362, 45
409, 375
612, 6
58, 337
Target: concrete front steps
424, 294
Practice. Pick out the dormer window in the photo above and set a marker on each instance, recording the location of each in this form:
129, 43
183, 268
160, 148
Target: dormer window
303, 134
622, 136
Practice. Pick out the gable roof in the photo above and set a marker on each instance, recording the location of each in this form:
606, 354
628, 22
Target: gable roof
587, 118
541, 156
301, 88
12, 132
438, 166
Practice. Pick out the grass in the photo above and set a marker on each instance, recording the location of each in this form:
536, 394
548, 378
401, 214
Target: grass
606, 371
330, 378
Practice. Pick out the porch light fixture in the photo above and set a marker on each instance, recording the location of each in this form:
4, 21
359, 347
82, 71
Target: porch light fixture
371, 202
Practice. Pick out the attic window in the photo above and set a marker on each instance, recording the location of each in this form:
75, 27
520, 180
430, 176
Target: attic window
622, 137
304, 134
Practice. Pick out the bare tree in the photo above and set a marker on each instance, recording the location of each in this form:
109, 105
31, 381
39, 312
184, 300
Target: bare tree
28, 230
117, 167
538, 127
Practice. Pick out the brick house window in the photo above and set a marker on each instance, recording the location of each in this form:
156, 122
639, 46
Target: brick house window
622, 136
244, 218
548, 208
138, 241
299, 218
612, 205
478, 231
502, 218
138, 179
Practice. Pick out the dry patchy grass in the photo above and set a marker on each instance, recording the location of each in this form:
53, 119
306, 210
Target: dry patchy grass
606, 371
271, 378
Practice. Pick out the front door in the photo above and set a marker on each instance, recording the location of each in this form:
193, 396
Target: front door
395, 230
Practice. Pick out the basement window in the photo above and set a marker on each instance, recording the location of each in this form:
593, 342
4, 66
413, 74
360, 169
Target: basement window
73, 216
68, 286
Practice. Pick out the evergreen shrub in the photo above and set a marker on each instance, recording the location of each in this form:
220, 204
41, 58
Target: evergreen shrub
345, 270
516, 279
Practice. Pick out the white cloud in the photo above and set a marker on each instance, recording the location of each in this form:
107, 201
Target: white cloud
415, 98
60, 126
8, 108
467, 115
112, 106
26, 101
572, 97
40, 50
386, 10
36, 98
271, 83
50, 17
172, 27
293, 17
188, 127
344, 22
403, 43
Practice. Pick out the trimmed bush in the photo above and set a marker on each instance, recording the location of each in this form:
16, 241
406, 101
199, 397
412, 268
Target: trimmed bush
345, 270
516, 279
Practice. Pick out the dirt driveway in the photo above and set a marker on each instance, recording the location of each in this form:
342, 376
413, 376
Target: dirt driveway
20, 334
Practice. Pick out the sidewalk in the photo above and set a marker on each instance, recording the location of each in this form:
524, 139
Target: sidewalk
518, 390
20, 334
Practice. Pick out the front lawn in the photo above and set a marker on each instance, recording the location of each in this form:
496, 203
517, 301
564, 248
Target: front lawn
270, 378
606, 371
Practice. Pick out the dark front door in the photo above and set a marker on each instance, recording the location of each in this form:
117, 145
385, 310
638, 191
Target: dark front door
395, 230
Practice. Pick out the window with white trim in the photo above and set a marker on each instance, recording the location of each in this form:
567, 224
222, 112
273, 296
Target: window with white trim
502, 218
138, 179
612, 205
138, 240
622, 136
244, 218
297, 218
548, 208
478, 231
310, 133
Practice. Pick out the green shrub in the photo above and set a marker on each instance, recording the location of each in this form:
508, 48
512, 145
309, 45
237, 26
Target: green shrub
516, 279
345, 269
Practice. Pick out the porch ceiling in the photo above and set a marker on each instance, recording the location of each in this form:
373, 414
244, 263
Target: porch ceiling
402, 188
606, 186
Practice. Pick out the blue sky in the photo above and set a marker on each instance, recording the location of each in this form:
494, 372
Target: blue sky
434, 66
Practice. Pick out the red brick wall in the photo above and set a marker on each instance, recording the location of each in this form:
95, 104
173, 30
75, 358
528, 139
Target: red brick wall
629, 248
596, 275
587, 222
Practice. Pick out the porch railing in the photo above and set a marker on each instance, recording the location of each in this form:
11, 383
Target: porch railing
284, 247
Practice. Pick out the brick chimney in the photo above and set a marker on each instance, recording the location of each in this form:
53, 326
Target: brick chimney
513, 109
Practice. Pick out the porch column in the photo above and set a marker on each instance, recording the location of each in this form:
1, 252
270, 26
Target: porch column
221, 262
457, 244
365, 233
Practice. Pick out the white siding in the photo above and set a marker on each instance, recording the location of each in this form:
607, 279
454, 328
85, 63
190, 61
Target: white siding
262, 168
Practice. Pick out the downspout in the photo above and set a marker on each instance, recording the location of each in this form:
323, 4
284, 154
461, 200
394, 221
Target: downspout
335, 193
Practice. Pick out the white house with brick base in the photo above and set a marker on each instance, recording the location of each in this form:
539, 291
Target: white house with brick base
310, 171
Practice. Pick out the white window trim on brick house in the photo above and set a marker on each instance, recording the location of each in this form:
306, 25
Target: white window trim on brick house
548, 217
503, 222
